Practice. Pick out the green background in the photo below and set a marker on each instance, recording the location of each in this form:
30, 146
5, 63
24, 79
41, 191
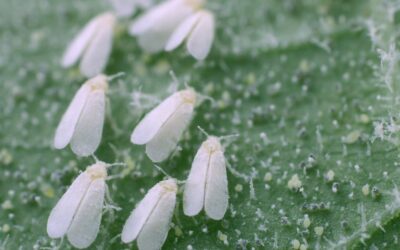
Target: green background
293, 78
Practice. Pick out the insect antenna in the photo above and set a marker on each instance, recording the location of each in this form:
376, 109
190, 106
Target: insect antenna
203, 131
115, 76
228, 139
166, 174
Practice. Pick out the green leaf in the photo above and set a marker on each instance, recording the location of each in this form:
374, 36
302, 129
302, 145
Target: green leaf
310, 87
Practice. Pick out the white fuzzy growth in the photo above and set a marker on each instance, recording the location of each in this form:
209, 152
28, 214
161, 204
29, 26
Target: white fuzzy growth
82, 123
78, 212
198, 30
207, 184
162, 128
93, 44
156, 26
149, 222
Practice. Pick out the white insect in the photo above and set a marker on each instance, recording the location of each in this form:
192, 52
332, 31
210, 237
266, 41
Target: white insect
198, 31
125, 8
207, 184
82, 123
162, 128
78, 212
93, 45
155, 27
149, 222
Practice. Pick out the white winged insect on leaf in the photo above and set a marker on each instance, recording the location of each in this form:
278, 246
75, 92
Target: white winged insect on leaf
207, 184
92, 45
162, 127
78, 213
155, 26
82, 124
198, 31
149, 222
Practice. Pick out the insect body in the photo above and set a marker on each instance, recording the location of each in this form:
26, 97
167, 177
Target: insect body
92, 45
198, 30
162, 128
167, 25
207, 184
78, 213
149, 221
82, 123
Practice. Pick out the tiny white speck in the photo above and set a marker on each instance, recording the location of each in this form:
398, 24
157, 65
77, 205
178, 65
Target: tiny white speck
306, 221
365, 190
319, 230
294, 183
295, 244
